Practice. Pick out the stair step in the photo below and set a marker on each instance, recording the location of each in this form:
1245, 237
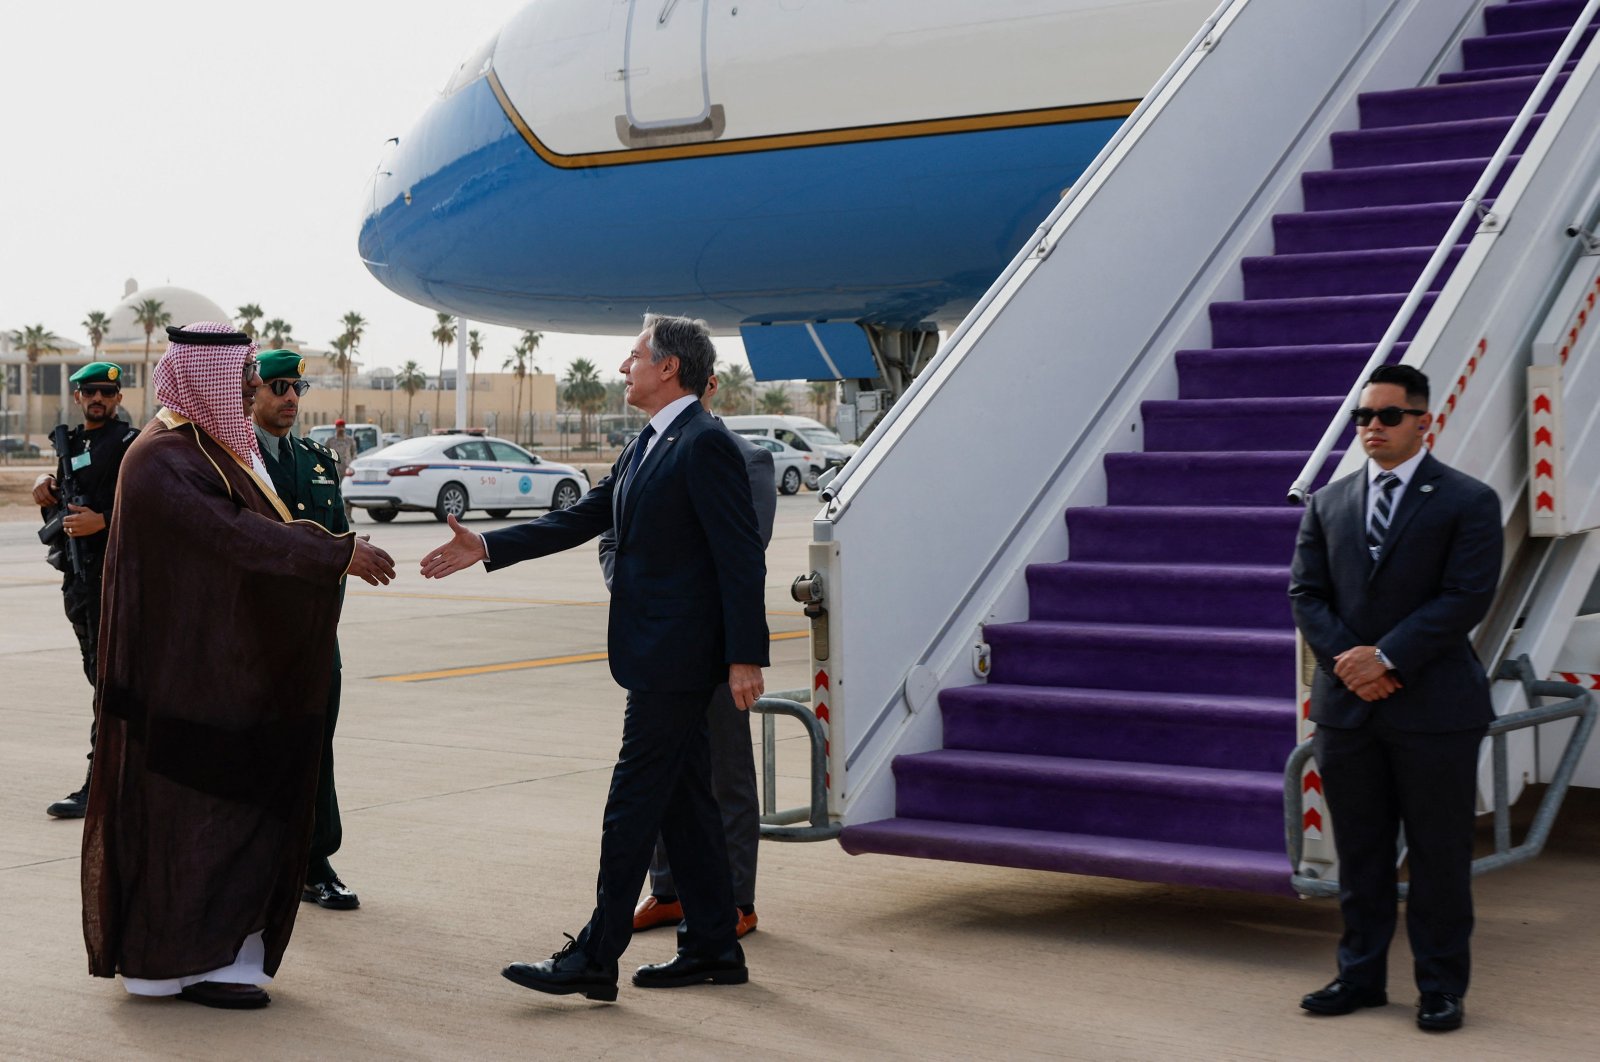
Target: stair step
1531, 15
1274, 372
1449, 103
1237, 424
1455, 77
1474, 138
1334, 319
1204, 534
1383, 271
1245, 596
1190, 479
1364, 228
1511, 49
1247, 733
1106, 857
1399, 185
1166, 659
1154, 802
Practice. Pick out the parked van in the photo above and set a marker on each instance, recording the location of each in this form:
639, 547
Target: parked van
367, 436
824, 446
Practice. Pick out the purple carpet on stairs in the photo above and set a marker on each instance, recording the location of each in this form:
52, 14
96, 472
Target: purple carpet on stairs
1136, 724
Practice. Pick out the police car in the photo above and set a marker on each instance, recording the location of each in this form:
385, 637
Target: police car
448, 475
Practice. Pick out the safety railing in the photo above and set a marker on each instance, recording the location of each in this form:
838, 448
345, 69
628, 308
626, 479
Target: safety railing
1578, 704
1470, 208
779, 825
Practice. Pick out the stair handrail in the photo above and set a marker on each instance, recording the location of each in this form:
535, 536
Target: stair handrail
1037, 244
1300, 490
779, 825
1579, 704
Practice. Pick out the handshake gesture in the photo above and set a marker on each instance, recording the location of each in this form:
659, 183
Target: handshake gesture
462, 551
371, 563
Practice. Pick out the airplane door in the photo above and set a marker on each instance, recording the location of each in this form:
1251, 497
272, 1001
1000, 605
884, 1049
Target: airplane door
665, 57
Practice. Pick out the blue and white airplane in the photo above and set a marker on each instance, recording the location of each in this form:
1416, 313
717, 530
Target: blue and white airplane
791, 169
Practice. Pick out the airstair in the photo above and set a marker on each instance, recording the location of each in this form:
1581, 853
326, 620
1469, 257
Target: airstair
1115, 693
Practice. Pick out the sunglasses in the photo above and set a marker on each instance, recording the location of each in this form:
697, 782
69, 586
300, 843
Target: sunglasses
99, 390
250, 369
281, 387
1388, 416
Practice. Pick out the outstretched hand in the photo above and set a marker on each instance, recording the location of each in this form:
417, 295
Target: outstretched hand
371, 563
462, 551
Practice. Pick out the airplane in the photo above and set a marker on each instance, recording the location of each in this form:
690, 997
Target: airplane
833, 179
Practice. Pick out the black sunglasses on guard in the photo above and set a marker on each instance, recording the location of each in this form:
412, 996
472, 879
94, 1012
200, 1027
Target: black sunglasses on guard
98, 390
1388, 416
281, 387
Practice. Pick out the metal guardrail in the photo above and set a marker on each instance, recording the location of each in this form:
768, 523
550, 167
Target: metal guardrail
1471, 207
1578, 703
779, 825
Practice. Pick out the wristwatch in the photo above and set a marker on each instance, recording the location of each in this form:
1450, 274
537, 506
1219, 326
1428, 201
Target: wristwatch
1381, 658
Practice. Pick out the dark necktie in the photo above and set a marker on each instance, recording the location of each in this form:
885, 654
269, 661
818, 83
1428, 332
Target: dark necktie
638, 459
284, 454
1382, 511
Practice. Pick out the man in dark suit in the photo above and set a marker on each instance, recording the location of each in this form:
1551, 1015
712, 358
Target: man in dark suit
687, 614
733, 764
1394, 567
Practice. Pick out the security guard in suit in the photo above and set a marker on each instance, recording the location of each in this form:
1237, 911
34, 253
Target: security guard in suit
91, 463
305, 475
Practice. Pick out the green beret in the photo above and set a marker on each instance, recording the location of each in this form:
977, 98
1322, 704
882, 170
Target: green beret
280, 365
98, 372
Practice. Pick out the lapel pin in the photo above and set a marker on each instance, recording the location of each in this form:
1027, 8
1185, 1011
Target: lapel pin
1427, 488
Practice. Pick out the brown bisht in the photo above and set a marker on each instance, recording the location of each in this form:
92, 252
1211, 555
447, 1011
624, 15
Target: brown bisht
216, 650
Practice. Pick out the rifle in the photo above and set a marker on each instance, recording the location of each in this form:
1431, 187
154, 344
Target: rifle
65, 551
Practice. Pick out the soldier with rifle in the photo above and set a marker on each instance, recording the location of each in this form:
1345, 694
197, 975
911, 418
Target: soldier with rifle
77, 500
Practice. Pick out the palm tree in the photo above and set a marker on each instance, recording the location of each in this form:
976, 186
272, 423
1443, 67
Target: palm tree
355, 326
340, 345
278, 332
150, 315
247, 318
410, 379
444, 333
518, 364
775, 400
34, 340
585, 393
98, 325
822, 396
474, 348
530, 342
735, 386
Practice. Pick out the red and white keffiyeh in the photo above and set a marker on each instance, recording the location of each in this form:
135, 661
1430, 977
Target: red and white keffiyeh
204, 383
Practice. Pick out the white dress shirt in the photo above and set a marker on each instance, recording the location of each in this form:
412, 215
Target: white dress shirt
1405, 470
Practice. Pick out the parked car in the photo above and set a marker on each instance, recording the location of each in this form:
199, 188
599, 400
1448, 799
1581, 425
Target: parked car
366, 435
389, 438
17, 446
808, 436
789, 466
449, 475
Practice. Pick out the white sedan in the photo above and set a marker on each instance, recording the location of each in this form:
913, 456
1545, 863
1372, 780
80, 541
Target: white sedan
449, 474
789, 466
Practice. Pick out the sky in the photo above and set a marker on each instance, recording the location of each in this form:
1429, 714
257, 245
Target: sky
223, 148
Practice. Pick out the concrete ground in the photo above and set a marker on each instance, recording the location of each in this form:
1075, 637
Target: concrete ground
471, 811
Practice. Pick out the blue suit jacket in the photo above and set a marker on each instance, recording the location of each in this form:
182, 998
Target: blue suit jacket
688, 589
1433, 582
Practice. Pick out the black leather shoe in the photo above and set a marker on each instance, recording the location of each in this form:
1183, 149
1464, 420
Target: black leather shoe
1440, 1012
335, 895
226, 996
726, 969
568, 972
1342, 997
71, 807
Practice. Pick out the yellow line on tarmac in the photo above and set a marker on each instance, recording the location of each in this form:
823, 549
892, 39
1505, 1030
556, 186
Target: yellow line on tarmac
525, 665
496, 600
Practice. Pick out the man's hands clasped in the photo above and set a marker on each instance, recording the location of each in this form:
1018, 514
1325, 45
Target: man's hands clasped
1366, 676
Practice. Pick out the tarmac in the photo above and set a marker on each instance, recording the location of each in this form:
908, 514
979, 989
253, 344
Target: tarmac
475, 744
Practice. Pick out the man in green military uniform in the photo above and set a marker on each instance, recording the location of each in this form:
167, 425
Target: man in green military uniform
91, 462
306, 477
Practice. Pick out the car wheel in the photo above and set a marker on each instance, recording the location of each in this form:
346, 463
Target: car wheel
566, 495
452, 502
811, 478
791, 481
499, 514
383, 516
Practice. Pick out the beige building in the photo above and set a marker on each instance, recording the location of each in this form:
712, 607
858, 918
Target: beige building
494, 402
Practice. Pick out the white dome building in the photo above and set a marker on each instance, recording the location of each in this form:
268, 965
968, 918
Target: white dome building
184, 306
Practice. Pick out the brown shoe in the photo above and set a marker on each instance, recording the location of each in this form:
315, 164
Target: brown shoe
747, 923
652, 913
